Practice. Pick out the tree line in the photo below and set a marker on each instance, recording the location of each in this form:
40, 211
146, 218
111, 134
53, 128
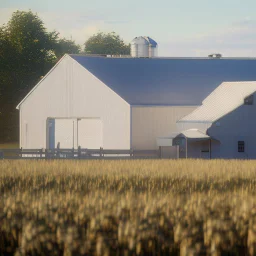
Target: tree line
27, 52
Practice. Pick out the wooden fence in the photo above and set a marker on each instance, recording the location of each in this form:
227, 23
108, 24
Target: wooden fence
80, 153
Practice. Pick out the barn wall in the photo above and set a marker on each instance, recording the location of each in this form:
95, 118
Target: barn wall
150, 122
72, 91
195, 149
238, 125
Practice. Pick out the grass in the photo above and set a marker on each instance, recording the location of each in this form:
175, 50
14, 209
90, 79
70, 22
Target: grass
14, 145
10, 145
140, 207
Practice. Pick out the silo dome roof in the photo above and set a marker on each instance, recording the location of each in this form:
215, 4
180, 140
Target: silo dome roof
144, 40
151, 41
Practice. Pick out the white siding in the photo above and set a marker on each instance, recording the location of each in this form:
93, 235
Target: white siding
150, 122
238, 125
195, 149
72, 91
224, 99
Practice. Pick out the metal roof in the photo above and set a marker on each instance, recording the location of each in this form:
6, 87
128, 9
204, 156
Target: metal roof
140, 40
167, 81
227, 97
151, 41
144, 39
190, 134
194, 134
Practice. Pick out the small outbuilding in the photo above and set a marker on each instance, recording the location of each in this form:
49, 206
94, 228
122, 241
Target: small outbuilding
223, 126
120, 103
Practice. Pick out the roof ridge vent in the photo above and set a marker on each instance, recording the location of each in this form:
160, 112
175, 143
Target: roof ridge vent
215, 55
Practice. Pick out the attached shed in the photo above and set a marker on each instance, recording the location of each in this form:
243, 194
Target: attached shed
120, 103
226, 117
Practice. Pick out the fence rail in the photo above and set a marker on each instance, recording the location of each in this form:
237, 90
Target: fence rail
80, 153
84, 153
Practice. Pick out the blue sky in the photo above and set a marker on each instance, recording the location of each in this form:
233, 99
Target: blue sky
181, 27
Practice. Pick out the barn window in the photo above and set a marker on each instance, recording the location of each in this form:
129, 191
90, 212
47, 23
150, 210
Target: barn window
240, 146
248, 100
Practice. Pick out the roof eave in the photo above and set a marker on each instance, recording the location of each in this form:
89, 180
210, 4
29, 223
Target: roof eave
126, 101
196, 121
30, 92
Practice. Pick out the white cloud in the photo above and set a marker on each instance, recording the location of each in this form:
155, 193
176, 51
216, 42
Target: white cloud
237, 40
81, 34
5, 14
76, 25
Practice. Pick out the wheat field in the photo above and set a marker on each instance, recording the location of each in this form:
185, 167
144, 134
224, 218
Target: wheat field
128, 207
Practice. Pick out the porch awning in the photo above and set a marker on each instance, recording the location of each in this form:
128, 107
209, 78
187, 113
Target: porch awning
194, 134
191, 134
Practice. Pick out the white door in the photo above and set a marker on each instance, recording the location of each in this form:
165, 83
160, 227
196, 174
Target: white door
89, 133
71, 133
65, 132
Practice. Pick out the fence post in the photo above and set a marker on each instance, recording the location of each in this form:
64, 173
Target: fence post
160, 152
20, 154
43, 152
101, 153
46, 154
1, 154
131, 153
58, 150
73, 153
79, 152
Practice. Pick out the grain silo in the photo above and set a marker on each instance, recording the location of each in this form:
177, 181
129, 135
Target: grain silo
143, 47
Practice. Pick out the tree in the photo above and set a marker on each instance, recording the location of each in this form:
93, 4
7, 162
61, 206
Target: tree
26, 53
66, 46
7, 113
109, 43
33, 47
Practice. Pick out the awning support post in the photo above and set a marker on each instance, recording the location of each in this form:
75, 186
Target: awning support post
210, 148
186, 147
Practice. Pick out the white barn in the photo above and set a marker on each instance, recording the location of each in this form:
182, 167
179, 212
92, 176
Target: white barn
223, 126
120, 103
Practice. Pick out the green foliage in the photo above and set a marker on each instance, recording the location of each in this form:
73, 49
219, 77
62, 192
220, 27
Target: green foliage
27, 52
66, 46
27, 33
106, 43
10, 145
